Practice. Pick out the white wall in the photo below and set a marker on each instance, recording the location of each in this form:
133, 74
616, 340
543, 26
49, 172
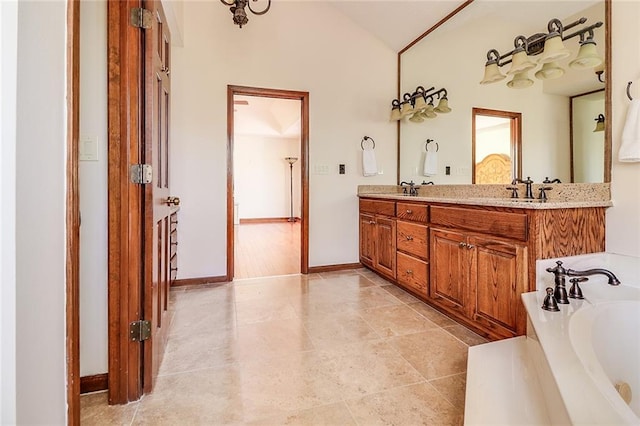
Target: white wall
623, 220
40, 213
92, 176
261, 175
8, 68
351, 78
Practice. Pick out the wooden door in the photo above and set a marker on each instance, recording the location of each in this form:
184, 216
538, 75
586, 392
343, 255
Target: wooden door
449, 270
157, 211
496, 283
367, 244
385, 246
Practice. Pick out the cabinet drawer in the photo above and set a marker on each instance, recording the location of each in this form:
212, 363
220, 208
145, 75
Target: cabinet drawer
413, 238
415, 212
387, 208
412, 273
501, 224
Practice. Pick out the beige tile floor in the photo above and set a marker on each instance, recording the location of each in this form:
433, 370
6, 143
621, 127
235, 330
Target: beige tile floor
340, 348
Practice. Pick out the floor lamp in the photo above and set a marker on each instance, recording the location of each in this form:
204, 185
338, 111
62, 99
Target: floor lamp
291, 160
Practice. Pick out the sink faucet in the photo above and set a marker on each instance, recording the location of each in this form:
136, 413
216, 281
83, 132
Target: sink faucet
547, 180
413, 190
528, 191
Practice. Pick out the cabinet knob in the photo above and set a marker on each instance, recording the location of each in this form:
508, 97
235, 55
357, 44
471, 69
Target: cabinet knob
409, 211
409, 272
372, 222
409, 238
173, 201
470, 246
462, 244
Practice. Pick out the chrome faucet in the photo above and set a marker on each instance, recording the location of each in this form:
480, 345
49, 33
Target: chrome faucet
613, 280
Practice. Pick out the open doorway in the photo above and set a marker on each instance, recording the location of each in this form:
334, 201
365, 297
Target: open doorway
267, 186
267, 189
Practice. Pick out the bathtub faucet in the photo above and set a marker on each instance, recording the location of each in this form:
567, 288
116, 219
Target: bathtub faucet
613, 280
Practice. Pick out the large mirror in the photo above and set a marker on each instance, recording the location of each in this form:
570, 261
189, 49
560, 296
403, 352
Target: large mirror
453, 55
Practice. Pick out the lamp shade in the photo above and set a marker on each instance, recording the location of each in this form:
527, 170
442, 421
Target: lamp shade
428, 111
554, 49
420, 103
599, 123
443, 106
395, 114
406, 109
587, 56
492, 73
416, 117
549, 71
520, 62
520, 81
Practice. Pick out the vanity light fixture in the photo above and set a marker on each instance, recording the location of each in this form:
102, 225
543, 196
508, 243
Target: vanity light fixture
550, 47
239, 14
599, 123
419, 106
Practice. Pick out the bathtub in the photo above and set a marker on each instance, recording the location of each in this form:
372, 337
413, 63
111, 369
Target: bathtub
606, 339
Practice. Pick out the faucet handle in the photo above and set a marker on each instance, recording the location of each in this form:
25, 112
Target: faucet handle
550, 303
559, 269
543, 194
514, 191
575, 292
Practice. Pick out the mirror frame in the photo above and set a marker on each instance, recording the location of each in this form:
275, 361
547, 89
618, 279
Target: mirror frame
607, 83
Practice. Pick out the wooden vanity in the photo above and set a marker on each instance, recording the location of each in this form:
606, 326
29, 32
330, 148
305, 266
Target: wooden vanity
471, 259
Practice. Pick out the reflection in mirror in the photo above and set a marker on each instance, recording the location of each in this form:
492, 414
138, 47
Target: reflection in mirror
545, 106
496, 141
587, 137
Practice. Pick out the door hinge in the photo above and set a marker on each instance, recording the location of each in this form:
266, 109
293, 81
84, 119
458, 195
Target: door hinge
141, 18
140, 331
141, 173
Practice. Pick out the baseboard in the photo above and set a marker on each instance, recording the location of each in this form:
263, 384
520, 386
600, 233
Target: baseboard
200, 281
95, 383
331, 268
267, 220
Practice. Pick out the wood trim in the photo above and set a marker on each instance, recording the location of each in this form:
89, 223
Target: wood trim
95, 383
73, 215
608, 89
304, 167
436, 26
266, 220
332, 268
124, 201
200, 281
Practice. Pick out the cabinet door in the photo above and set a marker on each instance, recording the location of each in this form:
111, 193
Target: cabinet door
450, 265
367, 241
385, 246
496, 282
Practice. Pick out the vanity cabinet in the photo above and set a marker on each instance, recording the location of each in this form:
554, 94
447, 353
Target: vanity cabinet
472, 262
378, 236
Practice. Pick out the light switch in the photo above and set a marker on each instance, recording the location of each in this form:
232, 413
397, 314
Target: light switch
88, 149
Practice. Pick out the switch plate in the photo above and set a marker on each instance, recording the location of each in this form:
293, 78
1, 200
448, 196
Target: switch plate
341, 169
447, 170
88, 149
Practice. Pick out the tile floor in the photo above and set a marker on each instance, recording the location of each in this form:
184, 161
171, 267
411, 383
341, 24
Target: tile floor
340, 348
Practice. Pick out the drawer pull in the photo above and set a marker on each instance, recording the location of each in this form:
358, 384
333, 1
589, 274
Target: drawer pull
409, 238
409, 272
174, 243
462, 244
409, 211
173, 269
372, 222
470, 246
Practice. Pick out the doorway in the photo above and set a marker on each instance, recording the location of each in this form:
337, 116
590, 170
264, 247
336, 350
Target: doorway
267, 190
267, 186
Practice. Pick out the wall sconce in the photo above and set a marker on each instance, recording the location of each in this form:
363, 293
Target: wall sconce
239, 14
599, 123
550, 47
419, 106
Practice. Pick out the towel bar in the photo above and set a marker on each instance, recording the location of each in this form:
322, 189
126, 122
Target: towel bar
629, 91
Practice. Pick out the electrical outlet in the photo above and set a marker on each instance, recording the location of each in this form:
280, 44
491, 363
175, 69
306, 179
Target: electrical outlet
341, 169
447, 170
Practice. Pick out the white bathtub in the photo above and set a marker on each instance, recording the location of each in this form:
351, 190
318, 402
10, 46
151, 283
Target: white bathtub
606, 338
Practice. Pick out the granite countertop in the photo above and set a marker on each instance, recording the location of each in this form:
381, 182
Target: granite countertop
561, 196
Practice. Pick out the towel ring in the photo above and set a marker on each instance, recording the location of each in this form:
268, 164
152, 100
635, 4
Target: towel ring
426, 146
367, 138
629, 91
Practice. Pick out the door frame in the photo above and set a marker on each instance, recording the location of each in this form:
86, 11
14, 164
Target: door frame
303, 97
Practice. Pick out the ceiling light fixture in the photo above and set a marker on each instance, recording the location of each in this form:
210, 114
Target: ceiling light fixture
239, 14
551, 49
